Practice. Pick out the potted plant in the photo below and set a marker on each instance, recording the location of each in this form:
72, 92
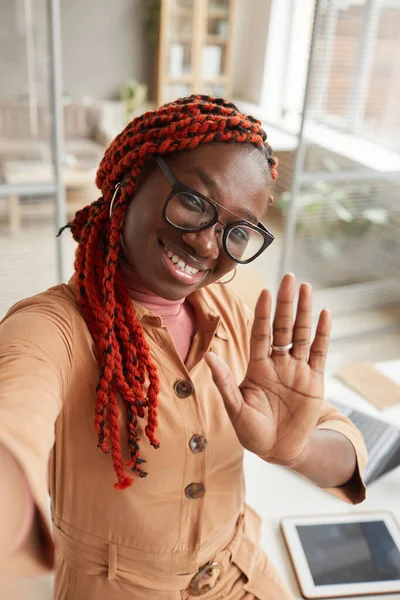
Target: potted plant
133, 95
344, 230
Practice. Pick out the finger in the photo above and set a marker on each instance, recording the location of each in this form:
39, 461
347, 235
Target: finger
319, 347
260, 340
226, 385
302, 324
283, 320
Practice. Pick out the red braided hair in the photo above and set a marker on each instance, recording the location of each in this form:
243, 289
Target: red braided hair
124, 355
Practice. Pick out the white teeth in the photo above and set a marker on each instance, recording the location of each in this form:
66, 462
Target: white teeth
180, 263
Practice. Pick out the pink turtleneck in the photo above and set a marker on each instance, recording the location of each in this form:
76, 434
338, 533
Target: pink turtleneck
176, 315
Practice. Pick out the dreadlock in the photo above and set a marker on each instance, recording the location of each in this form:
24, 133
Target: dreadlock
124, 355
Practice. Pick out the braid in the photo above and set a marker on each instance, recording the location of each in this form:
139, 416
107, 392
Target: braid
124, 355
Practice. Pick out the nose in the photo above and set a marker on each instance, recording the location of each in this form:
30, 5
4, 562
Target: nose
205, 243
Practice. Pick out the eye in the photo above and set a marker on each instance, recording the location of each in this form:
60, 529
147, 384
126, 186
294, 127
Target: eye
239, 235
191, 202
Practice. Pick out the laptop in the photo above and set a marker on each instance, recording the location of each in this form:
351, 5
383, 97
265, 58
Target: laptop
381, 438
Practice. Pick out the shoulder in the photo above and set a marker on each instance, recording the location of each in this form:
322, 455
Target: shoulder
54, 310
37, 337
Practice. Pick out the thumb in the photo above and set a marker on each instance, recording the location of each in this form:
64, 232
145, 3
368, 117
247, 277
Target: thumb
226, 385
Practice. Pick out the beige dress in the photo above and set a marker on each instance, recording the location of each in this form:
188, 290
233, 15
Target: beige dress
184, 530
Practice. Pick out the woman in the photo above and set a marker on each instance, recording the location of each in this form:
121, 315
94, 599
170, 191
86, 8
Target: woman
177, 376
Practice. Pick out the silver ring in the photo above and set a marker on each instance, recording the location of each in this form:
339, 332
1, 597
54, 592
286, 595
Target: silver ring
282, 348
114, 197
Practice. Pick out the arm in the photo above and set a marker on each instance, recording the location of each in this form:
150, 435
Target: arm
278, 410
16, 505
21, 541
329, 459
35, 363
337, 446
335, 457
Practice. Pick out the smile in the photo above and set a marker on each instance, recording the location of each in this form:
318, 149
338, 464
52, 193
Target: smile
180, 269
180, 263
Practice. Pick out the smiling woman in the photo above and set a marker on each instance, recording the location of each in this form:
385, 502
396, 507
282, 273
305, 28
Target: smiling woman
179, 376
176, 216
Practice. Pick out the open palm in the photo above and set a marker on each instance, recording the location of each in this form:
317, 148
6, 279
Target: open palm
276, 407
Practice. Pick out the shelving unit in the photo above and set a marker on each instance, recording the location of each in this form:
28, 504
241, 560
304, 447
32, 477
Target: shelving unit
195, 48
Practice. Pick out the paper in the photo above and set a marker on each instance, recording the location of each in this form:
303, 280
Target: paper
373, 385
390, 368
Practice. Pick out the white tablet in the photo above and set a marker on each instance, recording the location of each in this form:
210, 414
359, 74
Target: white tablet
344, 555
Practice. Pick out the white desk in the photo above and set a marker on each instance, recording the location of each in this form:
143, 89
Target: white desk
275, 493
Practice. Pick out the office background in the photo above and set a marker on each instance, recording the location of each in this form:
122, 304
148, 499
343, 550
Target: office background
324, 78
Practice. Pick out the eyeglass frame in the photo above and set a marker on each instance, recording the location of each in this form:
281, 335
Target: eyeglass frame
178, 186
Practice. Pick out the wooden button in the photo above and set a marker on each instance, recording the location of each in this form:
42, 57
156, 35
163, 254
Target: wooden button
205, 579
198, 443
194, 491
183, 388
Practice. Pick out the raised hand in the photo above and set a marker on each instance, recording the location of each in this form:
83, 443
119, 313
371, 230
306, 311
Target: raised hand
276, 407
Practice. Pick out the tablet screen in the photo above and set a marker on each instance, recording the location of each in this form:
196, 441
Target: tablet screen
340, 553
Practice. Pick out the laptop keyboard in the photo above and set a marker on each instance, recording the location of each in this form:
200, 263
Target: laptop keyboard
376, 433
373, 430
382, 440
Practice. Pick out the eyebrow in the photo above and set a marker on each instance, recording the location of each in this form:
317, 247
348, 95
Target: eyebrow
211, 184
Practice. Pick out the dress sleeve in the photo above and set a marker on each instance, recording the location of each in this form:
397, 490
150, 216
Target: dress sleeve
36, 348
354, 490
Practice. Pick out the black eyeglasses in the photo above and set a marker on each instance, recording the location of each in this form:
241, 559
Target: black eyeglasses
188, 210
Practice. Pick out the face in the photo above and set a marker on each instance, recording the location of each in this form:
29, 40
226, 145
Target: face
234, 176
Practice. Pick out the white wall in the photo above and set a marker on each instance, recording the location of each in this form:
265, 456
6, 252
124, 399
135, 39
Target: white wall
103, 43
13, 49
249, 52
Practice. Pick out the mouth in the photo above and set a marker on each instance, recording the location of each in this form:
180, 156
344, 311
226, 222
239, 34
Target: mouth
184, 269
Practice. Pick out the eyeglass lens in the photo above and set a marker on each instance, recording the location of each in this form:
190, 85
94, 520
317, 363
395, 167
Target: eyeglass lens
190, 212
